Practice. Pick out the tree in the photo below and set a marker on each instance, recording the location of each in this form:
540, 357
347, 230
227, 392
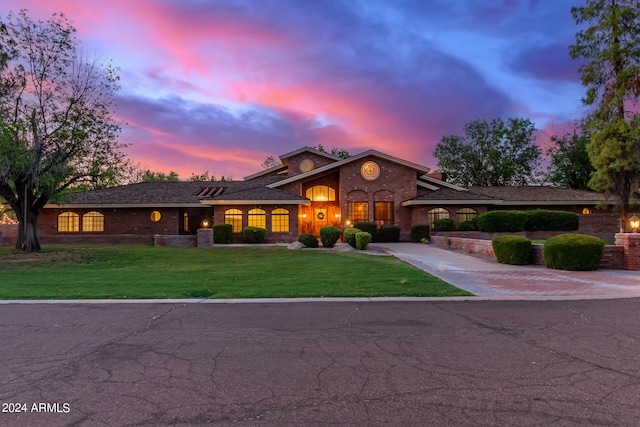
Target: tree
611, 45
570, 166
56, 124
270, 162
335, 151
491, 153
149, 176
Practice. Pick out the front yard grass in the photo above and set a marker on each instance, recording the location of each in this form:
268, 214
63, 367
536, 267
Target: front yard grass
147, 272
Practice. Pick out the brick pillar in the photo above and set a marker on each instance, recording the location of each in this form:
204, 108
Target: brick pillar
631, 244
205, 238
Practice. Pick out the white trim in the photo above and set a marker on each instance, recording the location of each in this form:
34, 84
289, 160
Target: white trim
502, 202
255, 202
451, 202
443, 183
427, 186
120, 205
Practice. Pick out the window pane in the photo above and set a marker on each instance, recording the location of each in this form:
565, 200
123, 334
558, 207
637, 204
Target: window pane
437, 213
465, 214
257, 218
358, 211
321, 193
234, 217
68, 222
383, 212
93, 222
280, 220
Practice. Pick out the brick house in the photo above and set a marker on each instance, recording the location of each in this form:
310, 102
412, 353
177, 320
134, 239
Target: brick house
309, 190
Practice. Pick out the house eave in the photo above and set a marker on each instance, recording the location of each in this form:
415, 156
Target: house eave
255, 202
120, 205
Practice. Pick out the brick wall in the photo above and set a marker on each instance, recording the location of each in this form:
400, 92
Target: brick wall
631, 244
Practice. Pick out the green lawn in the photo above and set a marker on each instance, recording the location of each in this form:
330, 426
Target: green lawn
137, 272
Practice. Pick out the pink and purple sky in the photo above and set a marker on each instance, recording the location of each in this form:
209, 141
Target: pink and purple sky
219, 85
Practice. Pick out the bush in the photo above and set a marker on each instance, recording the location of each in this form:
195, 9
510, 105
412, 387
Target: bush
362, 240
546, 220
254, 234
222, 233
573, 252
515, 250
308, 239
443, 224
349, 236
468, 225
419, 232
502, 221
389, 233
329, 235
369, 227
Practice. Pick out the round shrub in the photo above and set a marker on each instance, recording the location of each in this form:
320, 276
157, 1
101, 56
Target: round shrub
515, 250
443, 224
467, 225
329, 235
501, 221
222, 233
362, 240
547, 220
573, 252
254, 234
350, 236
369, 227
308, 239
419, 232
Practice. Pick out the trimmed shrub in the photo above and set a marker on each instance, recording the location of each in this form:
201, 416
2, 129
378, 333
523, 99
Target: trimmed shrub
515, 250
389, 233
254, 234
222, 233
349, 236
468, 225
547, 220
308, 239
419, 232
443, 224
329, 235
362, 240
369, 227
577, 252
502, 221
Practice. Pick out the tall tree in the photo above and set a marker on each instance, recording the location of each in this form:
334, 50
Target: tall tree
610, 42
569, 165
56, 122
491, 153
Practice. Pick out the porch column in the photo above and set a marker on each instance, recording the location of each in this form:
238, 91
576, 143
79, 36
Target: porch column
205, 238
631, 244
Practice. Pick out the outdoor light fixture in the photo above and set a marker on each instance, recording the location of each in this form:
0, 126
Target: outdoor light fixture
634, 222
205, 223
304, 215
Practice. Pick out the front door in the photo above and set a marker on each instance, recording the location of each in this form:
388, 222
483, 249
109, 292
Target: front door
320, 219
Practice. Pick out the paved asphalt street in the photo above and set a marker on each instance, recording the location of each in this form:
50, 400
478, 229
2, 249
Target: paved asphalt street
464, 363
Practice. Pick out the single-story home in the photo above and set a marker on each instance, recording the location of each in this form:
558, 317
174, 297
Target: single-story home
309, 190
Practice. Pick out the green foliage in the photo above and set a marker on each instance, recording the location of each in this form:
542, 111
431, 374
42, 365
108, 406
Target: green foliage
515, 250
468, 225
349, 236
362, 240
419, 232
150, 176
570, 166
308, 239
389, 233
573, 252
548, 220
443, 224
329, 235
490, 153
254, 234
222, 233
369, 227
501, 221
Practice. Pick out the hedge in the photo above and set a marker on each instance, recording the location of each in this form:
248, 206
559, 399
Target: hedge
329, 235
515, 250
369, 227
577, 252
362, 240
468, 225
308, 239
222, 233
389, 233
502, 221
254, 234
349, 236
419, 232
443, 224
548, 220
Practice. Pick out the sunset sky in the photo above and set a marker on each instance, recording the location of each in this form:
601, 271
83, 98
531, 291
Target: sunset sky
218, 85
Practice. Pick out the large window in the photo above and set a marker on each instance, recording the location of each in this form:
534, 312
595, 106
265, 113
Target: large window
185, 221
358, 211
383, 212
321, 193
437, 213
280, 220
257, 218
68, 222
234, 217
465, 214
92, 222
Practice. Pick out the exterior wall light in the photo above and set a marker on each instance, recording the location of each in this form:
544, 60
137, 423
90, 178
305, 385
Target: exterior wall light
634, 222
205, 223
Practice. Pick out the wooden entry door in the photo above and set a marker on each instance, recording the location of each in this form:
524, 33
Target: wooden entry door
320, 219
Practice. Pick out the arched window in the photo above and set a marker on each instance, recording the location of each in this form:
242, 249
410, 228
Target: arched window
321, 193
185, 221
437, 213
234, 217
257, 218
465, 214
280, 220
68, 222
93, 222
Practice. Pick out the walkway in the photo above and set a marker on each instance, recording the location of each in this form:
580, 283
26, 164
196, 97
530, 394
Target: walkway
487, 278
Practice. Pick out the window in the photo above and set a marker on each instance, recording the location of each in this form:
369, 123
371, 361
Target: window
321, 193
257, 218
383, 212
92, 222
437, 213
465, 214
155, 216
280, 220
185, 221
358, 211
234, 217
68, 222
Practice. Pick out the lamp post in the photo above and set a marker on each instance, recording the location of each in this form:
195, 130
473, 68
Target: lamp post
634, 222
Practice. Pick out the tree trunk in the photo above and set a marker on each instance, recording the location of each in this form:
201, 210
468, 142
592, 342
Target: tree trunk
28, 239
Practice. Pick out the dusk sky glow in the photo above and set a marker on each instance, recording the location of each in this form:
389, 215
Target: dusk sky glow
218, 85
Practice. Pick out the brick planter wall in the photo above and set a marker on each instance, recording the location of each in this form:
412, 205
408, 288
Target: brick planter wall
631, 244
174, 241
